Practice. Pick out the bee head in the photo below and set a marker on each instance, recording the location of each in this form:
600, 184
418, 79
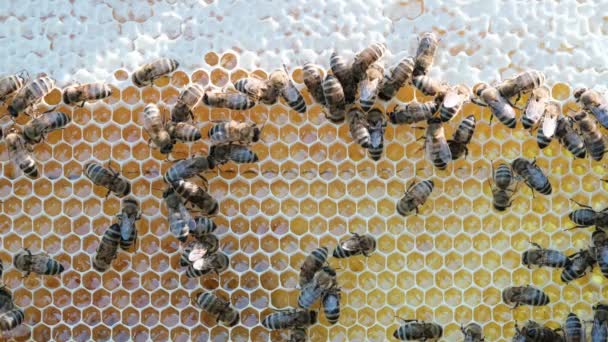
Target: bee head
166, 149
234, 320
434, 120
256, 134
578, 92
127, 189
479, 88
525, 258
13, 111
313, 316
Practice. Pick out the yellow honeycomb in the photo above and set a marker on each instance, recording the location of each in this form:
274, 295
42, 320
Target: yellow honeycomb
312, 187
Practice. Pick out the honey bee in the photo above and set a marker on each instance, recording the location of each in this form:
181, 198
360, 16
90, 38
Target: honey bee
81, 93
195, 252
229, 100
30, 94
573, 329
256, 89
415, 196
435, 145
368, 89
10, 315
187, 100
11, 84
524, 295
600, 250
431, 87
217, 307
535, 108
240, 154
569, 138
41, 264
425, 54
214, 262
187, 168
593, 102
452, 102
126, 219
532, 175
599, 330
107, 249
472, 333
413, 112
180, 220
343, 76
331, 305
376, 125
37, 128
232, 131
19, 153
148, 73
358, 127
587, 217
593, 137
501, 194
601, 312
578, 265
292, 96
487, 96
364, 59
323, 281
334, 99
108, 179
153, 124
396, 79
544, 257
462, 137
533, 331
290, 319
413, 329
355, 245
278, 80
182, 132
298, 335
521, 83
197, 196
203, 226
312, 264
549, 124
314, 82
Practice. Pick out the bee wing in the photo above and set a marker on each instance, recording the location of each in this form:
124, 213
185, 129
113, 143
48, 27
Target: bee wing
197, 253
352, 244
549, 125
535, 109
126, 229
452, 99
200, 264
501, 105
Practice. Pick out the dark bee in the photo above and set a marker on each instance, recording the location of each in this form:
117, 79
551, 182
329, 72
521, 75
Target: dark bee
472, 333
107, 178
535, 108
187, 100
521, 83
396, 79
368, 89
534, 332
37, 128
452, 102
487, 96
415, 196
153, 124
323, 281
600, 312
126, 219
19, 153
587, 217
197, 196
42, 264
413, 112
81, 93
544, 257
195, 251
549, 124
435, 144
355, 245
376, 125
462, 137
343, 73
573, 329
292, 96
182, 132
229, 100
600, 250
240, 154
331, 305
593, 137
593, 102
180, 220
334, 99
430, 87
214, 262
358, 127
186, 168
524, 295
11, 84
418, 330
569, 138
532, 175
30, 94
107, 249
425, 54
579, 263
148, 73
290, 319
314, 82
203, 226
298, 335
313, 263
234, 132
217, 307
364, 59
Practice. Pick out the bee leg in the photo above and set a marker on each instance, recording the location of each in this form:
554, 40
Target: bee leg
535, 245
108, 194
582, 205
82, 104
477, 102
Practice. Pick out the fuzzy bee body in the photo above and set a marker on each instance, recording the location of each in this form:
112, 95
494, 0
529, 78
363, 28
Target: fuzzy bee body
331, 305
355, 245
452, 102
415, 196
19, 153
187, 100
202, 226
579, 263
234, 132
413, 112
215, 262
524, 295
334, 99
472, 333
499, 106
153, 124
148, 73
9, 320
573, 329
290, 319
293, 97
534, 332
314, 82
544, 257
256, 89
535, 108
501, 194
197, 196
217, 307
35, 130
418, 330
6, 299
182, 132
312, 263
180, 220
109, 179
82, 93
324, 280
436, 146
358, 127
368, 89
533, 176
126, 219
396, 79
240, 154
521, 83
376, 125
430, 86
278, 81
41, 264
569, 138
364, 59
187, 168
229, 100
593, 137
30, 94
593, 102
600, 250
342, 71
107, 249
11, 84
587, 217
462, 137
425, 54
